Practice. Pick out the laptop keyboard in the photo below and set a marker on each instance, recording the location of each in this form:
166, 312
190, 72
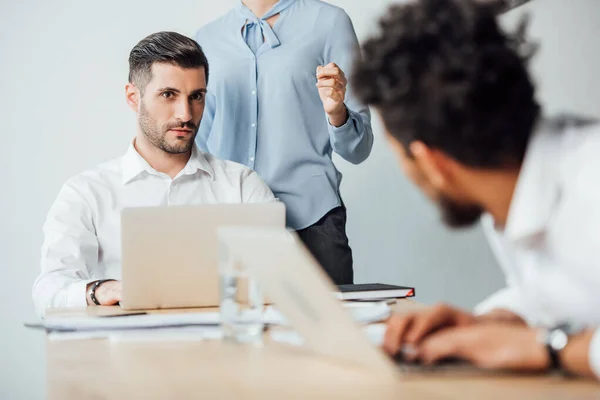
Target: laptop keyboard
449, 366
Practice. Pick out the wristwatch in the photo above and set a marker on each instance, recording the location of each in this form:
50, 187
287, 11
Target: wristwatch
555, 339
92, 290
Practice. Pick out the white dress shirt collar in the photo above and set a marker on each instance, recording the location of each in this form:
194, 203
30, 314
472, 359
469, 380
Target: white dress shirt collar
134, 164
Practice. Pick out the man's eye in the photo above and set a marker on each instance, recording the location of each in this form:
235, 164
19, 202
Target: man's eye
167, 95
197, 96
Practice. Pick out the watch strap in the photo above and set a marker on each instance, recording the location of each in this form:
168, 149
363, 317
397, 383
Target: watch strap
552, 348
93, 290
553, 356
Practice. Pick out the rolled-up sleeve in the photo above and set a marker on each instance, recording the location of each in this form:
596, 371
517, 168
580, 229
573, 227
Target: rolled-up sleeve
206, 123
509, 298
69, 251
594, 354
353, 141
208, 116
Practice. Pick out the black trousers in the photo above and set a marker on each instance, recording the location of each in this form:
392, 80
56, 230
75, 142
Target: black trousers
328, 242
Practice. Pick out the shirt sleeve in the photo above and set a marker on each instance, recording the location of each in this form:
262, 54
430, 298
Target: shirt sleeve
206, 122
255, 190
510, 298
506, 299
69, 251
353, 141
208, 116
594, 354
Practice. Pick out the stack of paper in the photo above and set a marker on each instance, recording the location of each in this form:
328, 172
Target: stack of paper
193, 333
204, 325
190, 326
366, 313
374, 332
145, 321
374, 312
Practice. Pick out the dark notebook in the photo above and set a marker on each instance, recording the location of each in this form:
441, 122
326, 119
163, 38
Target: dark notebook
365, 291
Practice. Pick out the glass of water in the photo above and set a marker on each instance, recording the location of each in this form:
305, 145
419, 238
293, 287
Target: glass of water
241, 301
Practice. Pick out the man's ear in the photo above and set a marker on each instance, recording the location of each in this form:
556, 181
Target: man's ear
132, 96
434, 164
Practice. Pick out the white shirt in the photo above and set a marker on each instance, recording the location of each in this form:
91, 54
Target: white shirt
549, 249
82, 235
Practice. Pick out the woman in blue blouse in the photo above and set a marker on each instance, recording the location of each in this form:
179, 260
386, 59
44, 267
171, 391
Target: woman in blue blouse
279, 103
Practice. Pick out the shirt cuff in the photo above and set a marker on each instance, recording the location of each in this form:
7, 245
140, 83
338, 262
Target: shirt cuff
348, 126
594, 354
76, 296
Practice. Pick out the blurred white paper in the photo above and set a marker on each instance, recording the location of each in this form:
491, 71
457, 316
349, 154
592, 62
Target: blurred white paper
193, 333
364, 314
374, 332
189, 333
85, 327
73, 335
146, 321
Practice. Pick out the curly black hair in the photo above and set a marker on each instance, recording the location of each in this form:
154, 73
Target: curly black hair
444, 73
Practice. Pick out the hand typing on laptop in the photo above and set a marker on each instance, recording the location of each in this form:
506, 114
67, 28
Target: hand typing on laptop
499, 339
411, 329
443, 331
490, 345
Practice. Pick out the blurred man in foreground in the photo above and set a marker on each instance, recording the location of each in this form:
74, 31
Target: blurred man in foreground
459, 109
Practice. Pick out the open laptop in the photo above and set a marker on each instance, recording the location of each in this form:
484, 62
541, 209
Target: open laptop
170, 254
295, 282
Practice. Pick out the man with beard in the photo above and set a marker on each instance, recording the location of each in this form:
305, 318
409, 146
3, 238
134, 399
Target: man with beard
459, 109
81, 254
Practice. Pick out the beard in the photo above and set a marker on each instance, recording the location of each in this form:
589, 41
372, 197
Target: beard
457, 215
157, 134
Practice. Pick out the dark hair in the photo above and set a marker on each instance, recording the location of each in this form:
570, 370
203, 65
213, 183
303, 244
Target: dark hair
164, 47
443, 72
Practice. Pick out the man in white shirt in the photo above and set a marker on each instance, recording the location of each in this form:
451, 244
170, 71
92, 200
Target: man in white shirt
81, 254
459, 109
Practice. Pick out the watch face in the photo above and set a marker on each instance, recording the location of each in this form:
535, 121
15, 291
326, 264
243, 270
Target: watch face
558, 339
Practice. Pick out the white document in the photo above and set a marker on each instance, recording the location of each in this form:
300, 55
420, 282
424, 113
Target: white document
73, 335
188, 333
147, 321
363, 314
191, 333
374, 332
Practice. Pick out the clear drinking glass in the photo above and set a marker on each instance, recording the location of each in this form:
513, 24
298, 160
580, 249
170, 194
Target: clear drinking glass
241, 301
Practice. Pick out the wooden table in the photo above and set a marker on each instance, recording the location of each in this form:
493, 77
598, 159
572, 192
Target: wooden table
212, 369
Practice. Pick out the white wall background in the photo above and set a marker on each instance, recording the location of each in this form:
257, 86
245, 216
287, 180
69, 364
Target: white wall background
62, 71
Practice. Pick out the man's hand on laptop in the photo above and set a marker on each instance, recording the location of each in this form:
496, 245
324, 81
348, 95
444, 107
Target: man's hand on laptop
505, 346
490, 345
406, 331
108, 293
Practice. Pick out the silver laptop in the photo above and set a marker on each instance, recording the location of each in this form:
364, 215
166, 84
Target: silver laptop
170, 254
295, 282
